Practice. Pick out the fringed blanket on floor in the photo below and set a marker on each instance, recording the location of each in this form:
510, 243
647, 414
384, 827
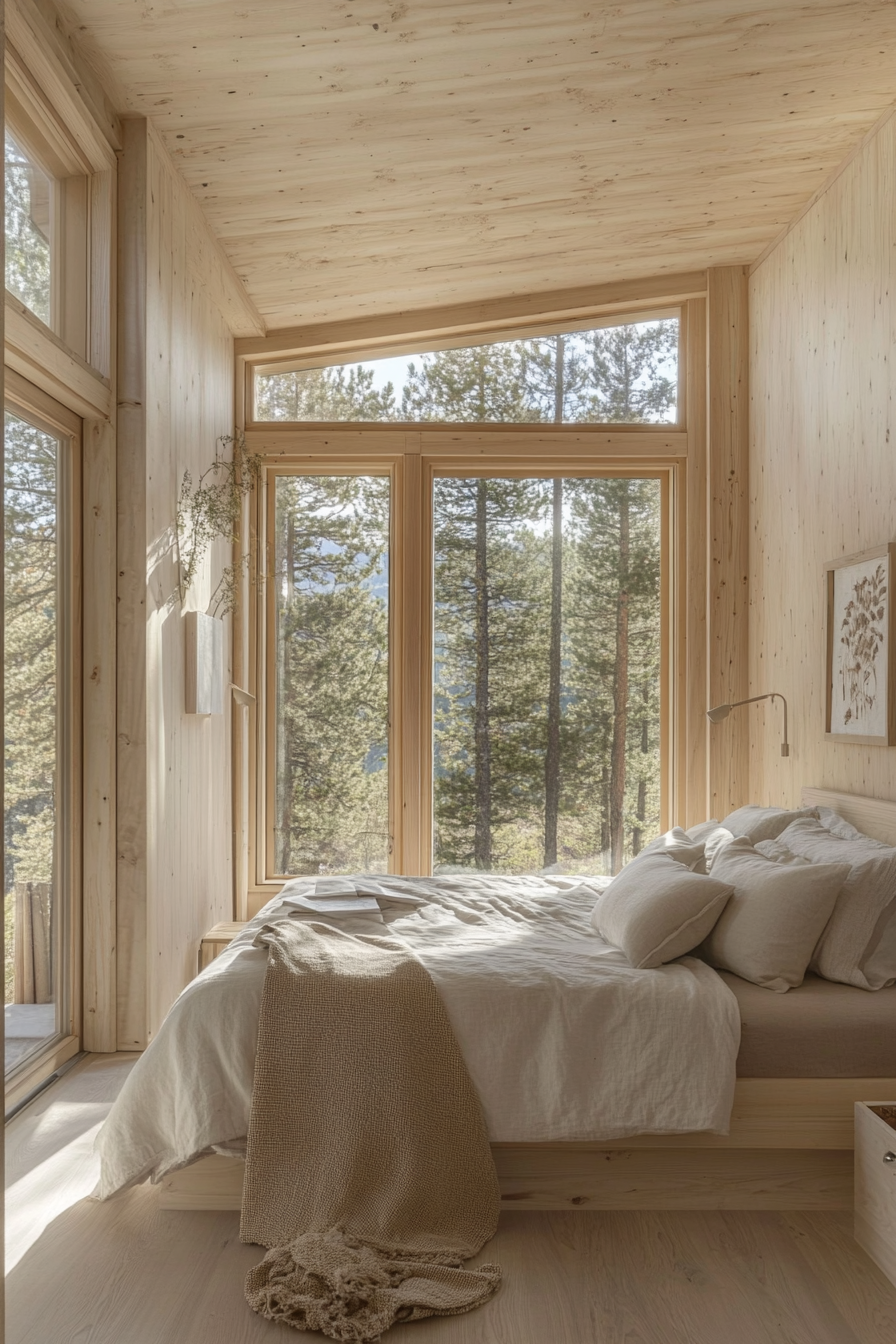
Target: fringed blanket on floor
368, 1168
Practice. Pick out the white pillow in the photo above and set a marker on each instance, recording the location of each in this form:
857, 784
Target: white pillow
713, 844
677, 844
656, 909
763, 823
700, 832
858, 946
773, 921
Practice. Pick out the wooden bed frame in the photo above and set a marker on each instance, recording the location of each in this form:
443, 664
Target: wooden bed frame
790, 1144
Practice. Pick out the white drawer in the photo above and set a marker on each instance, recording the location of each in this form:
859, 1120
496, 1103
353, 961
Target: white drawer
875, 1189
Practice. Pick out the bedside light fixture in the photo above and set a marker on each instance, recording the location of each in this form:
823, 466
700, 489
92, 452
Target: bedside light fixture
721, 712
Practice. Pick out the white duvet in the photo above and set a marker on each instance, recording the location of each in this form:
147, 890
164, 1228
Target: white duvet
563, 1039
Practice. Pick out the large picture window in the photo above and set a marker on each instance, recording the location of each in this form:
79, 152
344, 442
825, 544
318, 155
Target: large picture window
464, 656
513, 718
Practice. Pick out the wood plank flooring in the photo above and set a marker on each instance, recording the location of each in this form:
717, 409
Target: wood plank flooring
126, 1272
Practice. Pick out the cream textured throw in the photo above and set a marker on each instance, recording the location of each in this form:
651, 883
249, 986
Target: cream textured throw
368, 1168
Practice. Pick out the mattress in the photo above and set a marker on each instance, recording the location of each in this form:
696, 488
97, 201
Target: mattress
821, 1030
563, 1039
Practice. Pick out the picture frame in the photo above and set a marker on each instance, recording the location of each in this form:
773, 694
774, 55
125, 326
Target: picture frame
860, 648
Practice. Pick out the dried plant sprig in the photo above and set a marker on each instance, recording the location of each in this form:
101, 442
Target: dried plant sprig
211, 509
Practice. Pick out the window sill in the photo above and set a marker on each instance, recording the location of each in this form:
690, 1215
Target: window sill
39, 355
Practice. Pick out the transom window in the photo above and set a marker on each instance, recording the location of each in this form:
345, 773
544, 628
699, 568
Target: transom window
619, 374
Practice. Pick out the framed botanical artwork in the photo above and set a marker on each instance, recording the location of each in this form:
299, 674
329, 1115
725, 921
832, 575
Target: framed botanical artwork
861, 648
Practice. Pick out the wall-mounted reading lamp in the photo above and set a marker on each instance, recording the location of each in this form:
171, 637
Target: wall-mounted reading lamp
722, 711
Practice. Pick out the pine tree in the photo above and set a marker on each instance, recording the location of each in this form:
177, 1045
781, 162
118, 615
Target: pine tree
27, 231
546, 622
482, 383
323, 394
31, 659
628, 374
332, 685
490, 664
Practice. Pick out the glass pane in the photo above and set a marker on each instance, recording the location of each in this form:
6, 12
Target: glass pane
28, 253
610, 375
547, 647
332, 666
32, 709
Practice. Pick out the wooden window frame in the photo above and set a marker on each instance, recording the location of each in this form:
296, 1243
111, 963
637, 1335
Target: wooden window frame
72, 361
683, 450
45, 413
412, 460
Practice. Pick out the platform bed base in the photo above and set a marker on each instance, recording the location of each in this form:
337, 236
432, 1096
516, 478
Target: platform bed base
619, 1178
790, 1147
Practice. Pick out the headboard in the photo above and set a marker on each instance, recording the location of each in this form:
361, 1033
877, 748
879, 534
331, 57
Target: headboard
874, 816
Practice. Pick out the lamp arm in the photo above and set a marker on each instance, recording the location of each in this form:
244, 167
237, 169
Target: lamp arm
770, 695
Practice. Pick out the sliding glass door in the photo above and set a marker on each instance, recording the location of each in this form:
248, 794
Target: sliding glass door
41, 607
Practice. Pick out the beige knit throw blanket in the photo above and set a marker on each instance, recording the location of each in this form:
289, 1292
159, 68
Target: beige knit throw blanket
368, 1168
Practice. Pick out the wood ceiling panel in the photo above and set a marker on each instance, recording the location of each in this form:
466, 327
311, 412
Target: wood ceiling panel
369, 157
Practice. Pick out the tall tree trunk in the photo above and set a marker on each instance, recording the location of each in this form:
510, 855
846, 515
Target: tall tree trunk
482, 835
638, 831
620, 692
552, 755
604, 810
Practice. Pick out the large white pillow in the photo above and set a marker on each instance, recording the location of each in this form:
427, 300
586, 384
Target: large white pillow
859, 946
763, 823
700, 832
772, 923
656, 909
714, 837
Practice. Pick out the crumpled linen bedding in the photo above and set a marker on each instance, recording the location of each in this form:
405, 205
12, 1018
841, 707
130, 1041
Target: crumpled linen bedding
564, 1041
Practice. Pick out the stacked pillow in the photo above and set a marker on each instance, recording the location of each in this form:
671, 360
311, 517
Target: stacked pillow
770, 927
758, 906
764, 823
858, 946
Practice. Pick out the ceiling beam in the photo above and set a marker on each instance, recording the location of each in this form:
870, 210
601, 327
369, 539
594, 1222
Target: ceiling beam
514, 315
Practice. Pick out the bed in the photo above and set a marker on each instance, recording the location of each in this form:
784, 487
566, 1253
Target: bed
804, 1059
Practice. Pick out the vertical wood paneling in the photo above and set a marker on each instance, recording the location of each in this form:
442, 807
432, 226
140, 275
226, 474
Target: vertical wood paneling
131, 970
176, 812
99, 866
728, 468
823, 458
189, 404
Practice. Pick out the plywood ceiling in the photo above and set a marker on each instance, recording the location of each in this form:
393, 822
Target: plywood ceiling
357, 157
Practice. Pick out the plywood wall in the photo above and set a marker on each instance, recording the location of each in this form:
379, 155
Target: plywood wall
822, 463
174, 768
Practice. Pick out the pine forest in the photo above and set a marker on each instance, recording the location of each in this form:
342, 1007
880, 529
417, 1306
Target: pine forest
547, 621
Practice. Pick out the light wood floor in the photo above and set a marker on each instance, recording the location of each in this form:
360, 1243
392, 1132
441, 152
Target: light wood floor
125, 1272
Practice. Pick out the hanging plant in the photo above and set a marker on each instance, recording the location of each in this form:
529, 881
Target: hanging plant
210, 510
